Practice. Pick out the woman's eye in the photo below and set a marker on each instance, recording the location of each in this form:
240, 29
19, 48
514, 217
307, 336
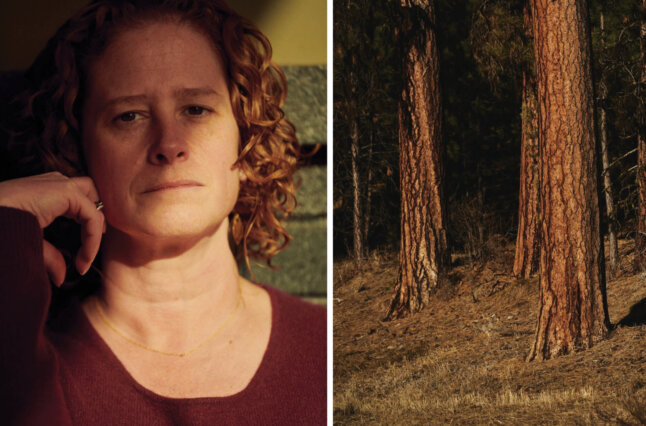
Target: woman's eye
196, 110
127, 117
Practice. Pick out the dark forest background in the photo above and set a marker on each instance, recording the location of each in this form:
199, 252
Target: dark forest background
483, 48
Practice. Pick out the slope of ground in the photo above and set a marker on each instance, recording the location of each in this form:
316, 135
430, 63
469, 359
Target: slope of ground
462, 359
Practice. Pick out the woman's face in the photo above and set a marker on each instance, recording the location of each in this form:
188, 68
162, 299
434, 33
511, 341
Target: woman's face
159, 134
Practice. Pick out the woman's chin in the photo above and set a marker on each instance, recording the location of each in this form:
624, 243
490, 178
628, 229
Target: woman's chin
171, 224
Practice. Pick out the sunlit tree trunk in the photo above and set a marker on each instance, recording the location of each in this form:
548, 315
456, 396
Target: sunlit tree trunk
423, 251
527, 239
572, 310
613, 252
357, 242
640, 237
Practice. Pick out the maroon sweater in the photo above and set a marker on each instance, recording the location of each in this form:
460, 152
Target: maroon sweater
64, 373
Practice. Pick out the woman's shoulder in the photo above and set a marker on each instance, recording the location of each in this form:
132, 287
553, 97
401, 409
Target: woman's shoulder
297, 321
298, 347
295, 309
290, 301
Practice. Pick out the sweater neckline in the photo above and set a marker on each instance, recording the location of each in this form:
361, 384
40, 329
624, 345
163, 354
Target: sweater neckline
261, 372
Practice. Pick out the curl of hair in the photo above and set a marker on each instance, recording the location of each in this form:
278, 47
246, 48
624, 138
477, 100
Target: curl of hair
46, 134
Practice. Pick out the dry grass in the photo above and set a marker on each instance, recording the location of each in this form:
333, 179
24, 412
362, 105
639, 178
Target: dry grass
462, 359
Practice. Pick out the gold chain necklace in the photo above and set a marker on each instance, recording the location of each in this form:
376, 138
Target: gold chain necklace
178, 354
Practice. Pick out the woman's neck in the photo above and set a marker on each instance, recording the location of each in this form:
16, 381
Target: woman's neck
168, 293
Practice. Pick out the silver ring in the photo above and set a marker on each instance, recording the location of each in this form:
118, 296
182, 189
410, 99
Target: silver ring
98, 205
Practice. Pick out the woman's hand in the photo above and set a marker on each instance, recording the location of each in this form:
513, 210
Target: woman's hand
49, 196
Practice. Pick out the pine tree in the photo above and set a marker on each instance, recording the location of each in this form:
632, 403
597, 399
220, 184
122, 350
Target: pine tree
423, 251
572, 309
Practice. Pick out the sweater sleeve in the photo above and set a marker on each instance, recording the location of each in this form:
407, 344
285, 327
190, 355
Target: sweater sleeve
29, 389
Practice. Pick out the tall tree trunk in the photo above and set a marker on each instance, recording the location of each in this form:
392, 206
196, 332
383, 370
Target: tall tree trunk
423, 252
368, 185
371, 133
572, 310
354, 152
640, 237
613, 254
527, 240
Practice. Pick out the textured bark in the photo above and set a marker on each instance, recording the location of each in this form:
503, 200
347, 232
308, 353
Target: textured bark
423, 251
613, 254
356, 199
368, 186
527, 240
640, 237
572, 310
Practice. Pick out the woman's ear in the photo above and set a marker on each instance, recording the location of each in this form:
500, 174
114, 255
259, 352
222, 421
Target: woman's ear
241, 175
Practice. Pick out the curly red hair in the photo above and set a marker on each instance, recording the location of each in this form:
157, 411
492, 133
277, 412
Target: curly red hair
269, 149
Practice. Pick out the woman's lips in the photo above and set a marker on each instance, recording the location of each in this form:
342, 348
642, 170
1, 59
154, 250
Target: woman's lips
172, 185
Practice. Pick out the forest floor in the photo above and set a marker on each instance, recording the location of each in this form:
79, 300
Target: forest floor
462, 359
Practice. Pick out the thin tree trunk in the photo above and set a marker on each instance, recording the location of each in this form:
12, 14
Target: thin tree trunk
640, 237
356, 198
527, 240
572, 310
423, 252
368, 186
371, 134
613, 254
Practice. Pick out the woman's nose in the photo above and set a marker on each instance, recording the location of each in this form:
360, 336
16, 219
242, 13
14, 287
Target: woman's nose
169, 145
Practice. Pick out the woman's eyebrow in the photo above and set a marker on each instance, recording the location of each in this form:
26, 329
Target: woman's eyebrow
185, 92
132, 99
195, 92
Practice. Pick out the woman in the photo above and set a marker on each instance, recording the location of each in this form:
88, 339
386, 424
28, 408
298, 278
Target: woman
161, 119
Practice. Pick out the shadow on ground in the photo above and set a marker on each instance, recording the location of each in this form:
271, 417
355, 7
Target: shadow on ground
636, 316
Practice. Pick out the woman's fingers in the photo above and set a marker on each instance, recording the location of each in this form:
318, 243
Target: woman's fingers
51, 195
86, 186
91, 220
54, 263
92, 225
91, 233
